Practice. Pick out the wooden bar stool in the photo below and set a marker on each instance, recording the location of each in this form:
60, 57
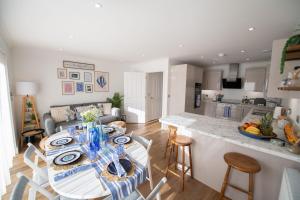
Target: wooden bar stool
180, 141
242, 163
172, 135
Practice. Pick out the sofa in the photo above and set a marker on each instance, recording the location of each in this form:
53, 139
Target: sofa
56, 119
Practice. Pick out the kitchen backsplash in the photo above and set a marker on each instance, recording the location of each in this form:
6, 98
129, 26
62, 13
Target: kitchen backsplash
233, 93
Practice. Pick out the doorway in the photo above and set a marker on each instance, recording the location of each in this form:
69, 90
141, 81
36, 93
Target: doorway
154, 90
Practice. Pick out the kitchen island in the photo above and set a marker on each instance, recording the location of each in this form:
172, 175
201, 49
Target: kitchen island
212, 138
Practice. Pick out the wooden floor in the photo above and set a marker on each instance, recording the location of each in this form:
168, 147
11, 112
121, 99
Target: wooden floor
171, 191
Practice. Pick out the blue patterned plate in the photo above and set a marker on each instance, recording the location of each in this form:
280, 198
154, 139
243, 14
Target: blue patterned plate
67, 158
126, 164
61, 141
122, 139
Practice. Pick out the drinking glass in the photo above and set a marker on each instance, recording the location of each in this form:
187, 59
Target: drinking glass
92, 153
120, 150
71, 130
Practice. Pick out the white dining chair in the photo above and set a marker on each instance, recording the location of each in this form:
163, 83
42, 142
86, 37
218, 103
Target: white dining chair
39, 174
136, 195
147, 144
19, 188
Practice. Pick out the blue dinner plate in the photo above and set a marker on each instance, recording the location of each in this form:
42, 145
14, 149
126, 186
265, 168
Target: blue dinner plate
61, 141
122, 139
67, 158
126, 164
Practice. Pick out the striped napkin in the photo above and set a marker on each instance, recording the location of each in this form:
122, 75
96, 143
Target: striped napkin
118, 189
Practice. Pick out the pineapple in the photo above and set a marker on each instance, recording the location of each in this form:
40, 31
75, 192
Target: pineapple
266, 124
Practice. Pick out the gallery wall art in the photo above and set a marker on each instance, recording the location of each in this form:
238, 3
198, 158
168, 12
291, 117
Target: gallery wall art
79, 87
68, 88
88, 88
88, 76
101, 81
61, 73
78, 65
74, 75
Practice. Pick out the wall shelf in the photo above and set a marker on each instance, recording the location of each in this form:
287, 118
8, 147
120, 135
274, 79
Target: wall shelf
293, 52
289, 88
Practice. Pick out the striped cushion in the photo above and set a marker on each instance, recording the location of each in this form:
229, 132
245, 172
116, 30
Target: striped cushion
106, 108
59, 113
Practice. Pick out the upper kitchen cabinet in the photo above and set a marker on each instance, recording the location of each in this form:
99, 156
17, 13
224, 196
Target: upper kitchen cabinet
212, 80
275, 77
255, 79
185, 85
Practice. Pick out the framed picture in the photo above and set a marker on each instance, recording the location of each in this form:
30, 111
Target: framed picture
79, 87
68, 88
101, 80
74, 75
88, 77
78, 65
61, 73
88, 88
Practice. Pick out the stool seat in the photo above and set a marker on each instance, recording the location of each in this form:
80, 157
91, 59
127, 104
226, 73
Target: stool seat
182, 140
242, 162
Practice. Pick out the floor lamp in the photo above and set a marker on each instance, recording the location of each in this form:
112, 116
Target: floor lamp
29, 124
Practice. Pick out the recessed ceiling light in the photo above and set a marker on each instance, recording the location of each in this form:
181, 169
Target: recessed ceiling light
143, 55
180, 45
243, 51
251, 28
221, 54
70, 36
247, 59
98, 5
201, 57
60, 49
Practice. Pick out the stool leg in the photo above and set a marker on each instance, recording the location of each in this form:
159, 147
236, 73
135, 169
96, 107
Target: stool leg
176, 156
191, 162
167, 146
183, 164
251, 186
169, 162
224, 186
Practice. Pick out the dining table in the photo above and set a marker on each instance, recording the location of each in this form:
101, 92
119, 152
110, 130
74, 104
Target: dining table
84, 184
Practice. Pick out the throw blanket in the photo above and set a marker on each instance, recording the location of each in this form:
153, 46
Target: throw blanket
118, 189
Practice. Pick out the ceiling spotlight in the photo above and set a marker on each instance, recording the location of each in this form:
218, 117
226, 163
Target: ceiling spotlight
201, 57
180, 45
60, 49
221, 54
70, 36
251, 28
247, 59
243, 51
98, 5
143, 55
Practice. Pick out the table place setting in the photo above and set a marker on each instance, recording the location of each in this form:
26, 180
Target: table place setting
80, 149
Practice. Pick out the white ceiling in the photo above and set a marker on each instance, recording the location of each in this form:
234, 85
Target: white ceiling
137, 30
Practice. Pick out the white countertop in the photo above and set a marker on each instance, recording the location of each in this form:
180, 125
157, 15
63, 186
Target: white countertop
227, 131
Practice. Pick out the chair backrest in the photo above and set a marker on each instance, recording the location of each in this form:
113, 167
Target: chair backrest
153, 194
142, 140
33, 152
19, 188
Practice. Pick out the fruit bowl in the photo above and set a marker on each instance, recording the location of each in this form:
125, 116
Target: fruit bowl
256, 136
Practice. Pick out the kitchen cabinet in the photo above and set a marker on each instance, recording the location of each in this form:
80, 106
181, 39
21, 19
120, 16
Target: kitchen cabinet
182, 88
256, 77
212, 79
209, 108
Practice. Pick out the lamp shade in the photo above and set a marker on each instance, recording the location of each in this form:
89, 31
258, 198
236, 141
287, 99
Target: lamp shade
26, 88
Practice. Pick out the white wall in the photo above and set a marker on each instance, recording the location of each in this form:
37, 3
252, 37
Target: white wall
40, 65
236, 93
157, 65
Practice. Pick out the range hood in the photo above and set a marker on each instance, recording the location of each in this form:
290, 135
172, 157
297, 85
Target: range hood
232, 81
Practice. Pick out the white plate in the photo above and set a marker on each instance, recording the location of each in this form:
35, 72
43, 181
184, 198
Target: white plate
122, 139
67, 157
61, 141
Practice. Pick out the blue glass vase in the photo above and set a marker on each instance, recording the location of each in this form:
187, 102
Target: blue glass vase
94, 139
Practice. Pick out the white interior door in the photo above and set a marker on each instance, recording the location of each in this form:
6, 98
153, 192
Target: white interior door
134, 96
154, 87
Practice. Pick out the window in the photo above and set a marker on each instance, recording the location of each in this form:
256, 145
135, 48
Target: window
7, 135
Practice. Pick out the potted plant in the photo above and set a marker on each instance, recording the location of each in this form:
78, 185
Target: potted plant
294, 40
116, 100
33, 119
28, 106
